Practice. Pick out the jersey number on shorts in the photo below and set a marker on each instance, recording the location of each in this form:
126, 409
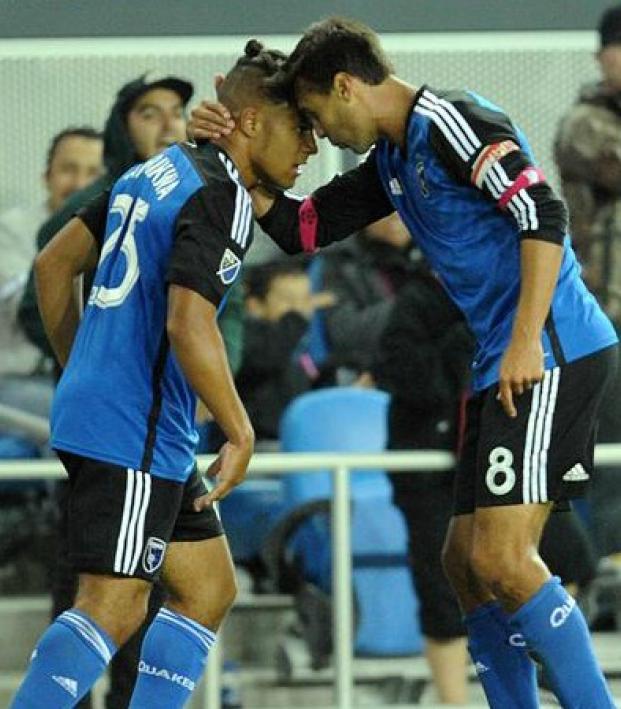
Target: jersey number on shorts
500, 476
102, 296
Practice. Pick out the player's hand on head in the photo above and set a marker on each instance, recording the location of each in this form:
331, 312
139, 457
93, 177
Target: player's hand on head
209, 120
228, 470
521, 368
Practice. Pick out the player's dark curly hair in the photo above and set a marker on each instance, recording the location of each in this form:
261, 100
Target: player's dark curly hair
328, 47
250, 76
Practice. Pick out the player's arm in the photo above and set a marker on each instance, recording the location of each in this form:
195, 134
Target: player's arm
204, 233
343, 206
486, 152
72, 251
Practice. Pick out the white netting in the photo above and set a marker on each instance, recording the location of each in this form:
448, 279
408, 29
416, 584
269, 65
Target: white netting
48, 85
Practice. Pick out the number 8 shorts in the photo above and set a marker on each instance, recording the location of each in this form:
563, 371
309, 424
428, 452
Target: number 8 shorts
545, 454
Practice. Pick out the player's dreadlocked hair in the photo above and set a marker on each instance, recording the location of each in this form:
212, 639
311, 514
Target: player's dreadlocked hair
248, 81
328, 47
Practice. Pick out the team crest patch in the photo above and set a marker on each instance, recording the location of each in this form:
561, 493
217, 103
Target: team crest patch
153, 554
422, 179
229, 267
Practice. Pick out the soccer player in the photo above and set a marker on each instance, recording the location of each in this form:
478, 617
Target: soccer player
169, 239
462, 177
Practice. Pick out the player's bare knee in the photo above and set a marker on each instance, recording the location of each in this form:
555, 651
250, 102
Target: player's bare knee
119, 608
207, 604
500, 568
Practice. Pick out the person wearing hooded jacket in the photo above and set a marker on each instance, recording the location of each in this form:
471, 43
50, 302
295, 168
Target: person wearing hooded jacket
587, 151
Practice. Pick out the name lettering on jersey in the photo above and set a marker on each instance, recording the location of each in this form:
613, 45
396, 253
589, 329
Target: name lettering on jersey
169, 675
229, 267
161, 172
488, 156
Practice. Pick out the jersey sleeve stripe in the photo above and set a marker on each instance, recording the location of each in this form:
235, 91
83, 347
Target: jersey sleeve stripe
239, 206
445, 129
245, 221
461, 120
456, 128
470, 139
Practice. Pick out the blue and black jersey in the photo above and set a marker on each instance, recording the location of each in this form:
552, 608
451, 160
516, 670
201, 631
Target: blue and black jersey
183, 217
467, 187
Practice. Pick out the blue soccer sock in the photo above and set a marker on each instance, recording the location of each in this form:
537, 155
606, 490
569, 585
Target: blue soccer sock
69, 658
173, 657
557, 634
505, 670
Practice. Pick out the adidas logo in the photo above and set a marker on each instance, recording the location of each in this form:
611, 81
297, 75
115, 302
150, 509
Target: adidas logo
576, 474
68, 684
480, 668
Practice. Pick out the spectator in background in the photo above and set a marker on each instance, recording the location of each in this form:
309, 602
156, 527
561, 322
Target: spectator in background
275, 367
364, 274
147, 116
74, 160
423, 360
588, 155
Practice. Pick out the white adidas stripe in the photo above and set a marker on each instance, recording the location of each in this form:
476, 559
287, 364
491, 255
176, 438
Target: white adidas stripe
243, 205
209, 635
547, 435
127, 506
133, 521
89, 633
204, 641
538, 437
130, 541
139, 545
448, 134
528, 445
463, 130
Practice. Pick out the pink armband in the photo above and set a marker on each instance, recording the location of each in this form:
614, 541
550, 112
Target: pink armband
309, 220
528, 177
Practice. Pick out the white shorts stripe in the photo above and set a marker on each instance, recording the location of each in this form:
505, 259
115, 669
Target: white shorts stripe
528, 445
133, 521
139, 543
538, 441
547, 434
120, 544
